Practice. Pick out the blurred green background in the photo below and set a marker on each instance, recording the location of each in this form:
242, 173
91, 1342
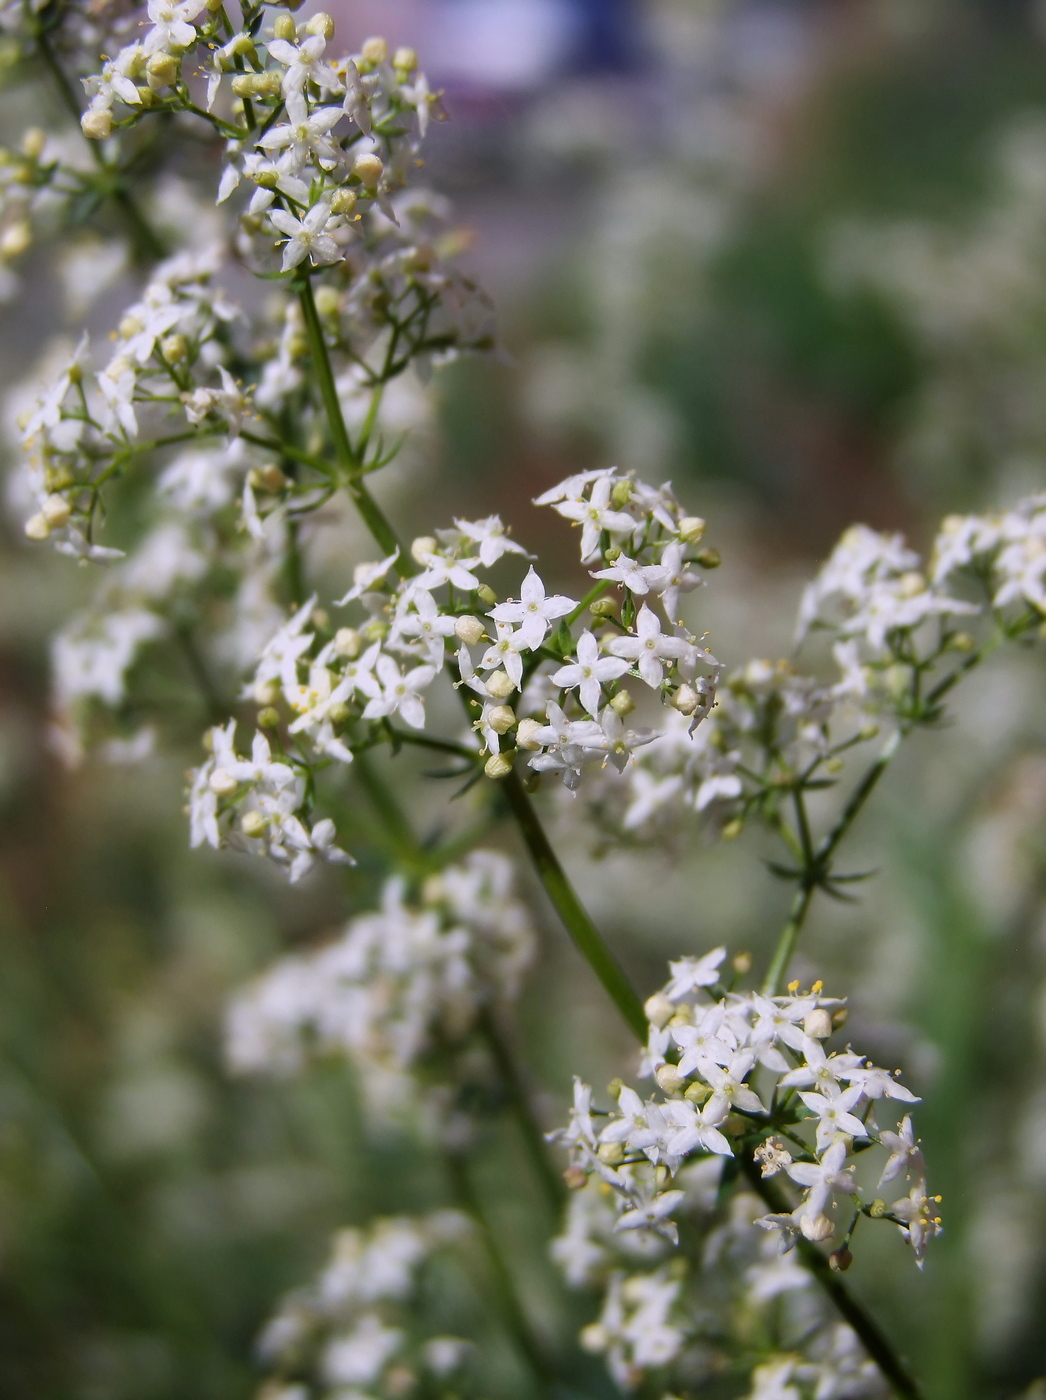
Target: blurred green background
793, 257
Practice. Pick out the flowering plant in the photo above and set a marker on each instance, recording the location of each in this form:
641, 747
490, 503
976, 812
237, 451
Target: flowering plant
199, 461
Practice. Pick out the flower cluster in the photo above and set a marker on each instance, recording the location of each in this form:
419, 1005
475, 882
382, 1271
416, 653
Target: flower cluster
400, 990
353, 1330
1007, 551
708, 1054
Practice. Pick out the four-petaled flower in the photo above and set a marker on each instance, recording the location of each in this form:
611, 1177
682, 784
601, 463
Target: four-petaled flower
589, 673
534, 612
650, 648
307, 238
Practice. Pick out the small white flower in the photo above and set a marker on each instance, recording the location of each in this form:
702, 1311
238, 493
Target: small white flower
490, 535
534, 612
589, 673
400, 693
307, 238
305, 135
650, 648
834, 1116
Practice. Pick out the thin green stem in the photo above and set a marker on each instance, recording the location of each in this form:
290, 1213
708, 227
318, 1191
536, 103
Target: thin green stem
519, 1100
787, 940
504, 1285
388, 809
571, 911
351, 467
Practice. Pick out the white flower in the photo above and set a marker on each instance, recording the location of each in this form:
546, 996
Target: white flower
823, 1179
650, 648
365, 576
694, 1131
428, 624
441, 569
919, 1211
357, 1359
650, 794
506, 651
905, 1155
170, 24
535, 612
493, 542
690, 973
566, 745
675, 578
304, 64
305, 135
229, 401
589, 672
400, 693
834, 1116
728, 1087
638, 578
594, 515
307, 238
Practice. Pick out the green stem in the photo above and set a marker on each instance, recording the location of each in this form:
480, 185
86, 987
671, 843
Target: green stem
504, 1285
571, 911
373, 516
788, 938
519, 1099
873, 1339
388, 809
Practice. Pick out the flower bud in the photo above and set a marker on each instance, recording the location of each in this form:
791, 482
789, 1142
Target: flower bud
501, 718
423, 546
816, 1227
406, 60
285, 28
733, 829
162, 69
36, 527
839, 1016
266, 693
343, 201
669, 1078
16, 238
594, 1337
253, 824
525, 734
877, 1209
374, 630
498, 766
174, 348
575, 1178
321, 24
622, 704
603, 607
868, 731
500, 685
97, 123
697, 1093
818, 1025
320, 618
338, 713
612, 1153
375, 50
269, 718
469, 630
612, 554
834, 765
658, 1010
33, 142
268, 478
368, 169
962, 641
709, 559
742, 963
622, 493
222, 782
487, 595
266, 178
686, 700
56, 510
691, 529
840, 1260
257, 84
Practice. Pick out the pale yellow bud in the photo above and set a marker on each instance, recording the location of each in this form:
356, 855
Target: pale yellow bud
622, 704
685, 700
266, 693
16, 238
501, 718
486, 594
691, 529
697, 1093
818, 1025
37, 528
320, 618
669, 1078
500, 685
243, 46
285, 28
128, 327
658, 1010
344, 201
374, 630
339, 712
268, 478
375, 50
368, 169
322, 24
525, 734
406, 60
269, 718
612, 1153
347, 642
162, 69
621, 494
709, 559
222, 782
56, 510
498, 766
423, 546
266, 179
733, 829
253, 825
469, 630
816, 1227
327, 301
962, 641
97, 123
174, 348
33, 142
742, 963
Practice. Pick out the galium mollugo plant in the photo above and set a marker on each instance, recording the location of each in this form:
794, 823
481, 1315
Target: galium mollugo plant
716, 1213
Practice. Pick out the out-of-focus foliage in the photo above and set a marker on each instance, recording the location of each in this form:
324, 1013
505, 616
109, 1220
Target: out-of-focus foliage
814, 294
